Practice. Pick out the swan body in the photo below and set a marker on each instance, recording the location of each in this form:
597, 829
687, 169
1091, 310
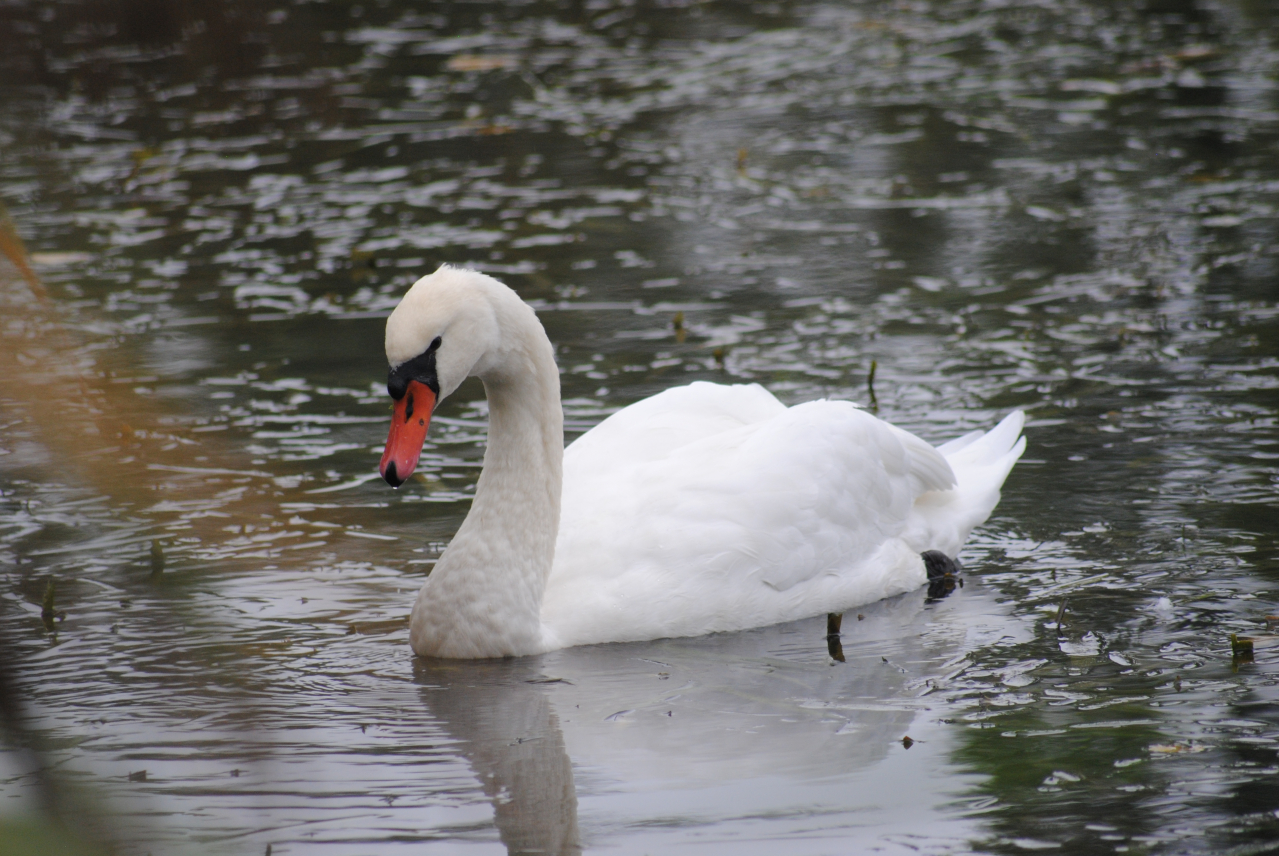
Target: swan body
704, 508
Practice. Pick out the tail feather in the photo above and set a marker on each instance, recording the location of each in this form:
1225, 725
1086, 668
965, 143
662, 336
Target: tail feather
981, 461
950, 447
988, 448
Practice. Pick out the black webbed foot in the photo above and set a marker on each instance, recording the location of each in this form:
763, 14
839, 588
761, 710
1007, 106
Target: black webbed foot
943, 574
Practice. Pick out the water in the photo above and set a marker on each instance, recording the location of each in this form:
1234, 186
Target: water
1068, 208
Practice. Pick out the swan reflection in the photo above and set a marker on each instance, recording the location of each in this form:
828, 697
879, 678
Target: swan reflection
511, 736
764, 717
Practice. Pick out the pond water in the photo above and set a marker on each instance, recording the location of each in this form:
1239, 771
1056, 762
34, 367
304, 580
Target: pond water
1066, 207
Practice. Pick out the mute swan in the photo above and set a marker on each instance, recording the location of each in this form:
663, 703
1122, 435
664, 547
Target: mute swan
704, 508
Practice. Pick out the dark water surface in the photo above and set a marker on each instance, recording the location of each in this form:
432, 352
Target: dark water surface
1068, 207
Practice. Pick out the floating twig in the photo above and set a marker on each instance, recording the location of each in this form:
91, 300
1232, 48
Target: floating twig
1241, 648
870, 385
48, 608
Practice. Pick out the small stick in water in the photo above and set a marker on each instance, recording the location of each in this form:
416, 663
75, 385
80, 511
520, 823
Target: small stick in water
870, 385
157, 558
1241, 649
48, 608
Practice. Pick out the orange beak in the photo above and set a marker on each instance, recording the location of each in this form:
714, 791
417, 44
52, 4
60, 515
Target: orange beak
408, 432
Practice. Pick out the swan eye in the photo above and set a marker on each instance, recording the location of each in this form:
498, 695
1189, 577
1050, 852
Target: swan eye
421, 368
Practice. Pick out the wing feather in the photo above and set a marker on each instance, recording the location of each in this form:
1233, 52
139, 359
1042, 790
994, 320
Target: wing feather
739, 515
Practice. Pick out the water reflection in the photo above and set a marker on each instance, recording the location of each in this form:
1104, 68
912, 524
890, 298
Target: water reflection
511, 736
740, 720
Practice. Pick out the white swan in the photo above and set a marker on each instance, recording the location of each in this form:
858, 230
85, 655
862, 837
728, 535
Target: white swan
704, 508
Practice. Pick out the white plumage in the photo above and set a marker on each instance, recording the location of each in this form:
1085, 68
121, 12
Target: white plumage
704, 508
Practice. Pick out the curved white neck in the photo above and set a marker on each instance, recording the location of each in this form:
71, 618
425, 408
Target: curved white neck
484, 597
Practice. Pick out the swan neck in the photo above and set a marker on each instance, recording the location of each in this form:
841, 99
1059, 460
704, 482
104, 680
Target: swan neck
484, 596
519, 487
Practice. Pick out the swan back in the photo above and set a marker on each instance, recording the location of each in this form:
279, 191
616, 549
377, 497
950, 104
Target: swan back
656, 426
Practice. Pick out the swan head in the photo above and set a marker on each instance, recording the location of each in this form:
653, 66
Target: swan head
444, 329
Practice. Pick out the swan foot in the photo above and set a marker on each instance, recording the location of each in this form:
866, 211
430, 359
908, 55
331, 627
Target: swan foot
943, 574
834, 646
